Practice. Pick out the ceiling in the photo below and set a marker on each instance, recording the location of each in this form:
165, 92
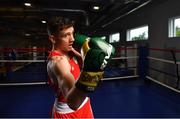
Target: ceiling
18, 19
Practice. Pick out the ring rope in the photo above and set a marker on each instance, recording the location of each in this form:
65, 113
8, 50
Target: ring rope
133, 57
158, 82
44, 83
155, 69
22, 61
121, 77
162, 60
23, 84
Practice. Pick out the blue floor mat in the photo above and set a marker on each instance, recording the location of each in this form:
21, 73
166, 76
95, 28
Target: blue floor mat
26, 101
112, 99
122, 99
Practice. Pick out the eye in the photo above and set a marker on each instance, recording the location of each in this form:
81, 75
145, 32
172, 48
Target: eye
64, 35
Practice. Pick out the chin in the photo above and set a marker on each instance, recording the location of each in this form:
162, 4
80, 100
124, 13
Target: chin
70, 48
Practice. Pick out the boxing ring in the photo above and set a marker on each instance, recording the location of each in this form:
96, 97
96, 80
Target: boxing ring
138, 82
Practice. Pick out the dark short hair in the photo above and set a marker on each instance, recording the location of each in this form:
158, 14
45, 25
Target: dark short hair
57, 24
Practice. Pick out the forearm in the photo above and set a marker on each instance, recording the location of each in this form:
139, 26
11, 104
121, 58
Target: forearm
75, 98
76, 53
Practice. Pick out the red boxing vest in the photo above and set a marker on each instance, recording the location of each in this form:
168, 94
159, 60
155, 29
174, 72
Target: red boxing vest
83, 112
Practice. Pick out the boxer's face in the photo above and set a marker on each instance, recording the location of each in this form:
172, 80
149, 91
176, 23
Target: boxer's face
64, 39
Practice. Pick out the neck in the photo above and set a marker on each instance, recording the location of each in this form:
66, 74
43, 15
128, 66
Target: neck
62, 52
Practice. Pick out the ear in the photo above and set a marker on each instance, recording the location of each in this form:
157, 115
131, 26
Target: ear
52, 39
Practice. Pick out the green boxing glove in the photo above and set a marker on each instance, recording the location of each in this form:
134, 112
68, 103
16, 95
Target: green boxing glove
98, 44
96, 54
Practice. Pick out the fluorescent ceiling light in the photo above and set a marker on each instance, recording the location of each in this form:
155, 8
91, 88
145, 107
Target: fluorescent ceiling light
43, 21
27, 34
96, 7
27, 4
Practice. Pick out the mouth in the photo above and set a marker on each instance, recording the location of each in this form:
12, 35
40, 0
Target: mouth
70, 46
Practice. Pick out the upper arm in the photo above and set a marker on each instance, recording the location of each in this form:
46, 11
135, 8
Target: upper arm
65, 78
66, 83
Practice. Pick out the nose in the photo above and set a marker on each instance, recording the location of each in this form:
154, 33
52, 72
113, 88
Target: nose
72, 37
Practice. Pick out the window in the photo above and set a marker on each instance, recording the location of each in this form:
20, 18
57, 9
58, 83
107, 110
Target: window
174, 27
114, 38
136, 34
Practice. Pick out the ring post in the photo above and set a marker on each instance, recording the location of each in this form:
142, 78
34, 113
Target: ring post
143, 62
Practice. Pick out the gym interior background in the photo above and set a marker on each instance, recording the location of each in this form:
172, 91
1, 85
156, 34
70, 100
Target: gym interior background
148, 30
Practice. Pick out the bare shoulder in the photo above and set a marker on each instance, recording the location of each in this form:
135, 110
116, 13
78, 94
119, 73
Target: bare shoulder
61, 65
56, 58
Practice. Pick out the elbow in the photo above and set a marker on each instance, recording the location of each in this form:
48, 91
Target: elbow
73, 106
75, 99
72, 103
